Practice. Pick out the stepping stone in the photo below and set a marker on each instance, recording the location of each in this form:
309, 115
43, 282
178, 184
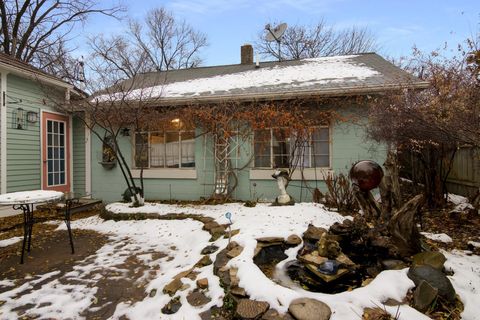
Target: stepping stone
251, 309
172, 306
235, 252
173, 287
309, 309
237, 291
204, 261
209, 249
312, 259
197, 298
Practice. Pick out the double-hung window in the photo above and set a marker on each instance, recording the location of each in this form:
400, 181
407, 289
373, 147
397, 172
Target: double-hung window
165, 149
281, 148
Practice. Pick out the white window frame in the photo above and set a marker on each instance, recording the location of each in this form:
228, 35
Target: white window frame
311, 154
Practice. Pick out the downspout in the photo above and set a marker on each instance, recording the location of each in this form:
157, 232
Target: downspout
3, 132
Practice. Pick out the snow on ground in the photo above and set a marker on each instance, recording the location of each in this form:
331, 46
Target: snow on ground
183, 240
465, 280
456, 199
10, 241
474, 243
440, 237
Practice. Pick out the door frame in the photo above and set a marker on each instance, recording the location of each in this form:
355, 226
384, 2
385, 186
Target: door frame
69, 162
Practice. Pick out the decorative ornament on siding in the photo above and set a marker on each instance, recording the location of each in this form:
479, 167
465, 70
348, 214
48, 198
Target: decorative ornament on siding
109, 157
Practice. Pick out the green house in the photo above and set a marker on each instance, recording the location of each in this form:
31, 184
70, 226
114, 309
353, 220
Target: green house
40, 148
186, 165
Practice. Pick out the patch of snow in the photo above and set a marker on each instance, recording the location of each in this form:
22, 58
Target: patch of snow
456, 199
440, 237
8, 242
474, 243
34, 196
340, 69
465, 280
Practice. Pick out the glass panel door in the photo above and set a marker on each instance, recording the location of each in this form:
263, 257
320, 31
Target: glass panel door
56, 160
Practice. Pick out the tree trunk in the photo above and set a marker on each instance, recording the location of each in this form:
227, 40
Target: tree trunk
403, 229
367, 203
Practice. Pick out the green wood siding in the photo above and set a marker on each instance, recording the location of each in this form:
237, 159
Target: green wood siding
79, 186
348, 144
23, 145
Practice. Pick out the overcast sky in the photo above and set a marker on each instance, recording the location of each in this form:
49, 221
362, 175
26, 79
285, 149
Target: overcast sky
397, 24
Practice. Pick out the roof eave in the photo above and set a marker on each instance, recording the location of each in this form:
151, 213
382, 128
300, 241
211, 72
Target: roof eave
35, 76
286, 95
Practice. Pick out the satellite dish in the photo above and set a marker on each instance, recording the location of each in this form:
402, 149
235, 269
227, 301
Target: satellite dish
276, 33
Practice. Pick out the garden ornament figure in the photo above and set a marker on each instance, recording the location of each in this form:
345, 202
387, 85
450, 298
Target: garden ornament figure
366, 174
228, 215
282, 180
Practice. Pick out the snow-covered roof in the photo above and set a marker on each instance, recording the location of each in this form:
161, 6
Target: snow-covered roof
340, 75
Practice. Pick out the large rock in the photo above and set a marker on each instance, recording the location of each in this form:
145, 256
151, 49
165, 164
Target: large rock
251, 309
423, 296
431, 258
313, 233
309, 309
433, 277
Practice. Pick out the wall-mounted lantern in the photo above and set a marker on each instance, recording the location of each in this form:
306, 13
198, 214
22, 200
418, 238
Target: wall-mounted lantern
19, 118
32, 117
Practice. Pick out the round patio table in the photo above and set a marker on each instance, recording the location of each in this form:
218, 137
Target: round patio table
24, 200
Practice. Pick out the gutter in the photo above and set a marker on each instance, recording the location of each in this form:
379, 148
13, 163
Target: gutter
287, 95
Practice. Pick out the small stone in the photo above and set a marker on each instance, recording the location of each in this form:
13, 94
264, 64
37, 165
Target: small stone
309, 309
237, 291
202, 283
173, 287
172, 306
328, 247
313, 233
435, 278
293, 240
251, 309
152, 293
192, 275
212, 313
273, 314
423, 296
203, 262
209, 249
392, 264
235, 252
234, 280
430, 258
197, 298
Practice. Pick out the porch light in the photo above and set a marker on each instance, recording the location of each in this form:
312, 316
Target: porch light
20, 118
32, 116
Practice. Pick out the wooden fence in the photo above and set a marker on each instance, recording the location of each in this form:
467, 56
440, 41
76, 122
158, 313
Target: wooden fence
464, 178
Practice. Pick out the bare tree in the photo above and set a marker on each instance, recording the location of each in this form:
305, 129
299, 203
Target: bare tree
36, 31
310, 41
168, 43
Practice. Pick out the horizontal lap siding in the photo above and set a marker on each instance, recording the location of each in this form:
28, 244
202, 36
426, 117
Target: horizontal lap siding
78, 157
23, 145
349, 144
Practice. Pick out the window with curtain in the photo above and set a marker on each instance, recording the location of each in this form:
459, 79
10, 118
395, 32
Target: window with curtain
165, 149
277, 148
